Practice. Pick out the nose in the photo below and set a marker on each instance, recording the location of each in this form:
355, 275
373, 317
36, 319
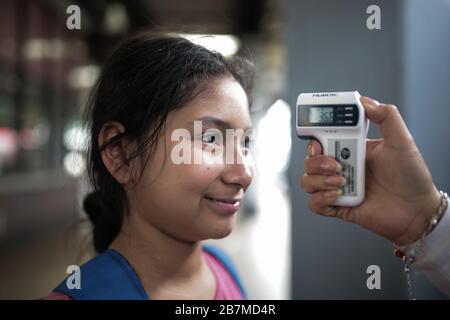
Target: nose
240, 173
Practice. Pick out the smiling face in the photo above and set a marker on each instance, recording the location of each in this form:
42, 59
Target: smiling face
193, 202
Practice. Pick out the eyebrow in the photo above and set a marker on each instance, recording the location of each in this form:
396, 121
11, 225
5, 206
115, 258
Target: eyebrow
218, 122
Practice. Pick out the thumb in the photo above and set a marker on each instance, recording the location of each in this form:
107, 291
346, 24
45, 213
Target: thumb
392, 127
314, 148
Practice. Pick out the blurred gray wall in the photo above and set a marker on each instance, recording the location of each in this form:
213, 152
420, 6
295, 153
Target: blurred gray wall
426, 89
405, 63
427, 82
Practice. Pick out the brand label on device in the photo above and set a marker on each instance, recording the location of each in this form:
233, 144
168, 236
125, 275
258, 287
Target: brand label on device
344, 151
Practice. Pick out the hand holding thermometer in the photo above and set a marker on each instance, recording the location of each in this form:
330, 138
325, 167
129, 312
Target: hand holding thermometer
337, 120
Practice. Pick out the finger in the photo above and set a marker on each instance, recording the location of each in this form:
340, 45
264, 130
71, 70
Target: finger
322, 202
323, 165
314, 148
392, 127
314, 183
371, 144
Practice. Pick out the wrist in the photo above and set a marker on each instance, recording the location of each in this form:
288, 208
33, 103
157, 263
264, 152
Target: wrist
412, 237
420, 225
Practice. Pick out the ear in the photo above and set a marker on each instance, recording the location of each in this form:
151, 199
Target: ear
115, 155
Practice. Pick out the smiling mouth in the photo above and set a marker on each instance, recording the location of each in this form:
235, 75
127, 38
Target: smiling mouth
229, 201
223, 205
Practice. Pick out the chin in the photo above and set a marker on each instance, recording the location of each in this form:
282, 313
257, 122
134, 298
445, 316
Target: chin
218, 231
222, 234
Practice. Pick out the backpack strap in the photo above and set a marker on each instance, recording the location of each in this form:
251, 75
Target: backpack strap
225, 260
107, 276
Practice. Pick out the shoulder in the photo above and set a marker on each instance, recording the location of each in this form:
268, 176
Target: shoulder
107, 276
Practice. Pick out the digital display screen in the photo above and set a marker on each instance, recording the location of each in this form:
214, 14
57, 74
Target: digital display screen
326, 115
321, 115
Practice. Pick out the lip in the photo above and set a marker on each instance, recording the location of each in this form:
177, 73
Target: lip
223, 205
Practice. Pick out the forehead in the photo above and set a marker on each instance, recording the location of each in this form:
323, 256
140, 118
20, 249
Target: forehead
224, 99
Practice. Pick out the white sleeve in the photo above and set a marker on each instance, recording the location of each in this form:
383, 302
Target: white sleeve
434, 258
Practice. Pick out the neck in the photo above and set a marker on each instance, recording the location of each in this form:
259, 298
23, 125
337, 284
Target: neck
157, 257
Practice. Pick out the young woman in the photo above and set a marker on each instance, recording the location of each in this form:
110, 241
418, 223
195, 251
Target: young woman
150, 212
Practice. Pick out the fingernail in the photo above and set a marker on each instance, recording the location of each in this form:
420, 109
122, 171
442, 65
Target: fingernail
333, 193
370, 102
331, 166
336, 181
311, 151
327, 166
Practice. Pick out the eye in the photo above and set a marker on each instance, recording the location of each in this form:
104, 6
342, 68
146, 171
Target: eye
209, 138
247, 142
246, 145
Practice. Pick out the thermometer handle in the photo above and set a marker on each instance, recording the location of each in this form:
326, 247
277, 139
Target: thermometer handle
351, 154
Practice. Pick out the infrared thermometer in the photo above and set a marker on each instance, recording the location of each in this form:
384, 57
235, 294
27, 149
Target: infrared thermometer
338, 121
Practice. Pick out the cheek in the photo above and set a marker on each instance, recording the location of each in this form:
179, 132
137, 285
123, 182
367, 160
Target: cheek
200, 169
186, 182
193, 179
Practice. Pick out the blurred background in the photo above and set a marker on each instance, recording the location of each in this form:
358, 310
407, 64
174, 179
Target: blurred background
282, 249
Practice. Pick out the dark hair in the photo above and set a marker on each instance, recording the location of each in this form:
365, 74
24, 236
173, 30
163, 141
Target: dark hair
145, 78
